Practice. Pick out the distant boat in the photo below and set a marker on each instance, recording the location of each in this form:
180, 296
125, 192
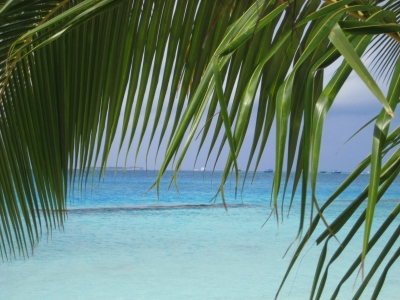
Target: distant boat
268, 171
336, 172
322, 172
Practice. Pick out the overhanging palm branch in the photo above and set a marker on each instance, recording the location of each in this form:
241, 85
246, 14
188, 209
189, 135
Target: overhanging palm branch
71, 70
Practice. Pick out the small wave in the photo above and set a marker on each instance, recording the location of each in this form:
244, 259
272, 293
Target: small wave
388, 200
155, 207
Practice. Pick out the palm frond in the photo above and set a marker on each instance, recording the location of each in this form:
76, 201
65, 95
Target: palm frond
71, 72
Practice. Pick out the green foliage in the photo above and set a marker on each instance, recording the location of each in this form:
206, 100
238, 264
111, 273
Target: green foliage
70, 70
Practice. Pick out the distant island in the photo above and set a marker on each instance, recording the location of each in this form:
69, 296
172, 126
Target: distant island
135, 168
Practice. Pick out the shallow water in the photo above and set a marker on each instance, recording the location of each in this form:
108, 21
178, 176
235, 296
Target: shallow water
118, 244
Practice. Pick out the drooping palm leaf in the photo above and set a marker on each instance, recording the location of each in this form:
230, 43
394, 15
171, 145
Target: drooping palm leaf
66, 67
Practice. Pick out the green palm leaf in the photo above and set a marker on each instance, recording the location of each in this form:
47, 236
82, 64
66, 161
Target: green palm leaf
72, 72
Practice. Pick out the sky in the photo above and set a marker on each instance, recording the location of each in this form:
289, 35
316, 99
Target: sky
354, 106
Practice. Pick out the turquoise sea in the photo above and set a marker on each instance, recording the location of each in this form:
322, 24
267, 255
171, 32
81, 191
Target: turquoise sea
120, 244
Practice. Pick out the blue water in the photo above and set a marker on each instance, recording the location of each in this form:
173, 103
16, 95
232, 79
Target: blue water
120, 244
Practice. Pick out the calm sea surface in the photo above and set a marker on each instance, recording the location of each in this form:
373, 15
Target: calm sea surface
120, 244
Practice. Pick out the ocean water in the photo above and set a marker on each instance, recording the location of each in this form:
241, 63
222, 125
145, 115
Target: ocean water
120, 244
